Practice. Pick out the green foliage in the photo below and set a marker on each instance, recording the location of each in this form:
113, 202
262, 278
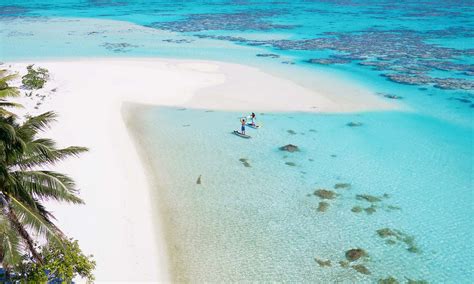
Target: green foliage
7, 91
65, 261
35, 78
25, 186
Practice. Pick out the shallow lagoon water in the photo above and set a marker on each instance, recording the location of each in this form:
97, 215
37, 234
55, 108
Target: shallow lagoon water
261, 222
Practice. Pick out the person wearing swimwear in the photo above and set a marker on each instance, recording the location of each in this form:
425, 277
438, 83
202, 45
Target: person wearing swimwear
243, 125
252, 116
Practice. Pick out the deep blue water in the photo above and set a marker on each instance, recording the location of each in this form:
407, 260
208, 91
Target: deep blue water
259, 223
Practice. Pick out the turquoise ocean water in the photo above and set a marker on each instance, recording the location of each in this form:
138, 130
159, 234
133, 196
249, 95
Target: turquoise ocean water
257, 218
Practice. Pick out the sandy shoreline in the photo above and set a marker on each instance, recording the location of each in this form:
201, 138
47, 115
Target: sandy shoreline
117, 223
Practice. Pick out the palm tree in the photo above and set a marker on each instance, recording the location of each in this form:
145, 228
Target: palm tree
6, 91
24, 185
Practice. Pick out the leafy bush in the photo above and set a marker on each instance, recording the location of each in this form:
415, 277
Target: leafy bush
35, 78
63, 261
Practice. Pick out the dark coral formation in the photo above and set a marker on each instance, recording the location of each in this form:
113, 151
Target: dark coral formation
245, 162
391, 96
170, 40
392, 208
355, 254
290, 131
325, 194
397, 236
388, 280
370, 210
291, 164
361, 269
367, 197
323, 206
375, 203
119, 47
290, 148
342, 186
344, 264
354, 124
269, 55
240, 21
10, 10
356, 209
404, 56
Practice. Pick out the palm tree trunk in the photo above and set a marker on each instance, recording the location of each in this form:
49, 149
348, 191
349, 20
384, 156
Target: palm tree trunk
23, 234
2, 255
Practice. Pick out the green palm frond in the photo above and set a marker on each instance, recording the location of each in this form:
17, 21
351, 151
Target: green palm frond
10, 143
4, 103
30, 218
9, 92
48, 185
40, 154
6, 113
10, 243
7, 130
35, 124
5, 79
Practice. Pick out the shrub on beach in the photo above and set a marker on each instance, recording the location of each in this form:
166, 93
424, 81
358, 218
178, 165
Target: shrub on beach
61, 261
35, 78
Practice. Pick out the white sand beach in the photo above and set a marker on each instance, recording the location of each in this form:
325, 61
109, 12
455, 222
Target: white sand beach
116, 223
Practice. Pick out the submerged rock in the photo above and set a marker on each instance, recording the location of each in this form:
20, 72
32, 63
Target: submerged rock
325, 194
361, 269
290, 131
370, 210
356, 209
396, 236
290, 148
323, 263
388, 280
271, 55
355, 254
323, 206
245, 162
386, 232
413, 249
344, 264
198, 181
354, 124
392, 207
367, 197
291, 164
342, 186
393, 97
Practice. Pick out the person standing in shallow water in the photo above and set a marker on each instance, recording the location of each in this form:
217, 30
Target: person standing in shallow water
253, 117
243, 125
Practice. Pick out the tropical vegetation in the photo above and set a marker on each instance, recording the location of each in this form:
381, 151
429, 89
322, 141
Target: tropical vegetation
35, 78
26, 182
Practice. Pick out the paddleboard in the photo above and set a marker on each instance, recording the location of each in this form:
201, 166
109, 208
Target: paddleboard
253, 126
241, 135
